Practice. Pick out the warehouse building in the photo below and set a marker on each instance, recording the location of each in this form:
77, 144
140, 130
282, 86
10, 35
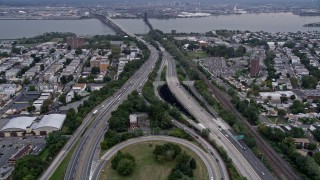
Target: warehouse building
17, 126
21, 126
49, 123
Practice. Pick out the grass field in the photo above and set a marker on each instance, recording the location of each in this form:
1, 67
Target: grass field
195, 55
60, 171
148, 168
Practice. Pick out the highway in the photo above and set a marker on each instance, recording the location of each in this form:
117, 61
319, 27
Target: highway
92, 136
208, 160
86, 154
221, 166
245, 162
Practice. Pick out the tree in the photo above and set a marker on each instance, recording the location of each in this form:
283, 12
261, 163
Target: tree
28, 166
68, 61
282, 113
46, 105
52, 50
32, 88
16, 50
78, 51
31, 109
95, 70
309, 82
62, 98
312, 146
63, 79
296, 132
115, 161
297, 107
292, 97
158, 151
316, 157
82, 80
70, 78
316, 134
106, 79
125, 167
283, 99
205, 132
193, 163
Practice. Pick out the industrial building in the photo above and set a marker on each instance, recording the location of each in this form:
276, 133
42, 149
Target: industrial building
17, 126
49, 123
23, 126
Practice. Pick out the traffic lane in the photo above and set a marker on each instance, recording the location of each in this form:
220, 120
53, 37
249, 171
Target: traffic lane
197, 111
212, 151
255, 163
109, 154
125, 90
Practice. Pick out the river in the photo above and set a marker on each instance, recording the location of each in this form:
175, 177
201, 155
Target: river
270, 22
12, 29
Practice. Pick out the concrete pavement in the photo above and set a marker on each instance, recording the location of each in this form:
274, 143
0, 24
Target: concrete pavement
80, 166
99, 123
222, 138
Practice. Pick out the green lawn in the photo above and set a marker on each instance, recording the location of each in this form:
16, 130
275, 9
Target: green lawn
195, 55
28, 45
60, 171
148, 168
56, 39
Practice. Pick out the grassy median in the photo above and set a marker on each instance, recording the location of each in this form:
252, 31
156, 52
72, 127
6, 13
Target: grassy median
148, 168
60, 172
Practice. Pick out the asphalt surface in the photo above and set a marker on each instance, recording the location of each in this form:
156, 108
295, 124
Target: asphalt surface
85, 157
241, 157
11, 145
208, 160
220, 165
94, 134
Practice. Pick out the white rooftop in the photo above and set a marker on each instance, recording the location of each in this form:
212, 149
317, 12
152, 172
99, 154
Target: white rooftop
19, 123
52, 120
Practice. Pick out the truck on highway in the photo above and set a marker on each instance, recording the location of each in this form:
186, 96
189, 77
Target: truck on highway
201, 126
95, 112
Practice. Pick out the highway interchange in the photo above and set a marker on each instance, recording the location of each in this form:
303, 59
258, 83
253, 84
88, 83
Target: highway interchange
245, 162
85, 159
82, 160
87, 152
205, 157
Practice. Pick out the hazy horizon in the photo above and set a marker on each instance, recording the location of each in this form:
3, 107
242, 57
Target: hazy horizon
311, 3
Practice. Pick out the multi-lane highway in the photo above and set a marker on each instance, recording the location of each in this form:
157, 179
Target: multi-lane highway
86, 154
221, 167
91, 136
208, 160
245, 162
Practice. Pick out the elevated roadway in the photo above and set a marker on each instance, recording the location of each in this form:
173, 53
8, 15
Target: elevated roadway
245, 162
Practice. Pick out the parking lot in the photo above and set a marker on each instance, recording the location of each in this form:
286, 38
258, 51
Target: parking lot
11, 145
219, 66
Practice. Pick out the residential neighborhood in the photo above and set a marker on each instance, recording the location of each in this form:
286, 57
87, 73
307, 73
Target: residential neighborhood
40, 83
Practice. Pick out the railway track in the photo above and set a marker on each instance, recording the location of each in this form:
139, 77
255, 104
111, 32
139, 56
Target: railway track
279, 166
